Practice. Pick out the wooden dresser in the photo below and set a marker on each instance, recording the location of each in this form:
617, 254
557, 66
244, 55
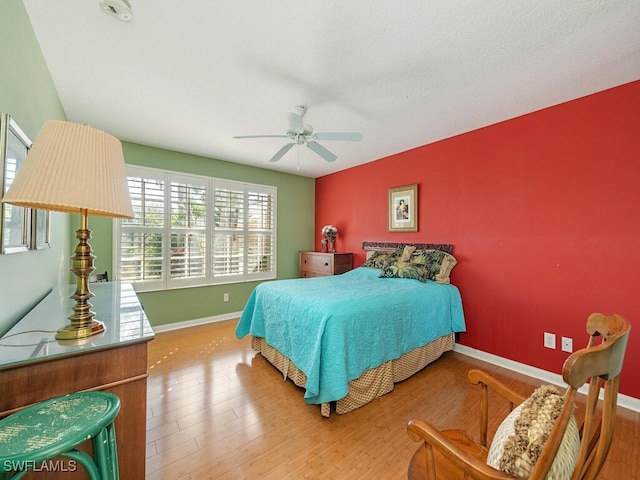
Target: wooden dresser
319, 264
34, 366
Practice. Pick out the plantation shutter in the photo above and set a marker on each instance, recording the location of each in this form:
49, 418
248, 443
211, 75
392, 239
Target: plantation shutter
142, 238
193, 230
188, 231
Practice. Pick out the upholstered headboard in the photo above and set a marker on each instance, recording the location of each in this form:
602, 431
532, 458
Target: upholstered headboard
445, 247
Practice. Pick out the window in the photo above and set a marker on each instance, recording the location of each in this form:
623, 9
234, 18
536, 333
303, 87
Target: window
192, 230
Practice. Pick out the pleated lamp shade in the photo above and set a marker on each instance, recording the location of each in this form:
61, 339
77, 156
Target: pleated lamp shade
70, 168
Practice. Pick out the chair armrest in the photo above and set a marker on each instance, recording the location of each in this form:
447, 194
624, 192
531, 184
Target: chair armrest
421, 430
479, 376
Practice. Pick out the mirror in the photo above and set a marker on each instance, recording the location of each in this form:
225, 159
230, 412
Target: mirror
14, 145
21, 228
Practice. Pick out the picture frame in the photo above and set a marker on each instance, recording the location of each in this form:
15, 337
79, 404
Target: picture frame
15, 222
403, 208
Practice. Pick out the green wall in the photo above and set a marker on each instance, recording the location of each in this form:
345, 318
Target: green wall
27, 94
295, 231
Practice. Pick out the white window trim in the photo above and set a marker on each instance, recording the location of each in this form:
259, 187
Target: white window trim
209, 279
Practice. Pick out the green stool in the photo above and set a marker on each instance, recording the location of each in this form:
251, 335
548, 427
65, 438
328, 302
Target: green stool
52, 429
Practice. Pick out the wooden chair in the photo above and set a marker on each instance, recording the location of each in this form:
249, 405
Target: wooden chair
100, 277
452, 454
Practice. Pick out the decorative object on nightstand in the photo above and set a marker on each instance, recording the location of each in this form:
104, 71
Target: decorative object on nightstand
75, 168
322, 264
329, 234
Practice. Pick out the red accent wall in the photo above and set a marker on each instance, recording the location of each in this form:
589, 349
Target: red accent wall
544, 213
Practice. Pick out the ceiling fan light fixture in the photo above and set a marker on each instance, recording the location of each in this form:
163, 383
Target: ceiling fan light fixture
117, 8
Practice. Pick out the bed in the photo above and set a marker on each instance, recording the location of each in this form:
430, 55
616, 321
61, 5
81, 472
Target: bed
346, 339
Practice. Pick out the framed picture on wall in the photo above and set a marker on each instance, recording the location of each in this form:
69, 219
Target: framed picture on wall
15, 232
403, 209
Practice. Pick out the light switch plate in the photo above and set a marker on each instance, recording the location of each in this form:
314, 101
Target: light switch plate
550, 340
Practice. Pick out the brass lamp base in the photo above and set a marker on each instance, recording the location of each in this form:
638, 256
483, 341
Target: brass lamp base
82, 323
74, 331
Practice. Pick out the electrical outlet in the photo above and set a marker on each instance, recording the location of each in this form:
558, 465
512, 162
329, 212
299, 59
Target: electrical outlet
226, 297
567, 344
550, 340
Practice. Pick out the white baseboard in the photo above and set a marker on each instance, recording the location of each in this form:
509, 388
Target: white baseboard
623, 400
198, 321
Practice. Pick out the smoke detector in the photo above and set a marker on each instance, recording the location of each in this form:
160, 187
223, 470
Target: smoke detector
118, 8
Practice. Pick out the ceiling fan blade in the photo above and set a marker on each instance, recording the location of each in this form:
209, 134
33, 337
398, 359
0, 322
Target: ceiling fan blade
345, 136
323, 152
280, 153
260, 136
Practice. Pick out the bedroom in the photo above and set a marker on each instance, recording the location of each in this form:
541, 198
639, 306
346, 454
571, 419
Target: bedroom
555, 244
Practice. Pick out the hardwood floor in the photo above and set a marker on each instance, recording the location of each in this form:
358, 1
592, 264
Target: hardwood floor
218, 410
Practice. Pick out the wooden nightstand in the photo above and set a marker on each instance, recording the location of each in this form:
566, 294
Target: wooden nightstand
318, 264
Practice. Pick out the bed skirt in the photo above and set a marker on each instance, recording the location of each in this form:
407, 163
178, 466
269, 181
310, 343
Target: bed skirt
371, 384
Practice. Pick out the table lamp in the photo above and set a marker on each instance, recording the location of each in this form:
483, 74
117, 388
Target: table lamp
75, 168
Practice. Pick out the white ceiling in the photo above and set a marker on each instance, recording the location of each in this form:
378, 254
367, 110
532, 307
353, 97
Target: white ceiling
188, 75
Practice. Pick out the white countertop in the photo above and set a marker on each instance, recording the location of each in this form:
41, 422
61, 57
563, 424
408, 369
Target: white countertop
115, 304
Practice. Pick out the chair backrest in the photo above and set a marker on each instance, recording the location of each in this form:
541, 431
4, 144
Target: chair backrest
100, 277
600, 363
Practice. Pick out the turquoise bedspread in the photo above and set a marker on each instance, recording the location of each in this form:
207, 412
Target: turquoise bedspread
335, 328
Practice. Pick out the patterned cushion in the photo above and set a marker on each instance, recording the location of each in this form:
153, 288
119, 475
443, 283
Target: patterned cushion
407, 251
448, 262
428, 264
377, 259
438, 263
520, 438
404, 267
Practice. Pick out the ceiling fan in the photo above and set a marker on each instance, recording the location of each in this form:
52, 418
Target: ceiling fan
302, 133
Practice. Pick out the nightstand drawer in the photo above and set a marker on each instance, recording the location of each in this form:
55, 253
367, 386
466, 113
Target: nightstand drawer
319, 264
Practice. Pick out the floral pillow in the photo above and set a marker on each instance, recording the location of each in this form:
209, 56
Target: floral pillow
409, 262
405, 267
404, 270
378, 259
438, 263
